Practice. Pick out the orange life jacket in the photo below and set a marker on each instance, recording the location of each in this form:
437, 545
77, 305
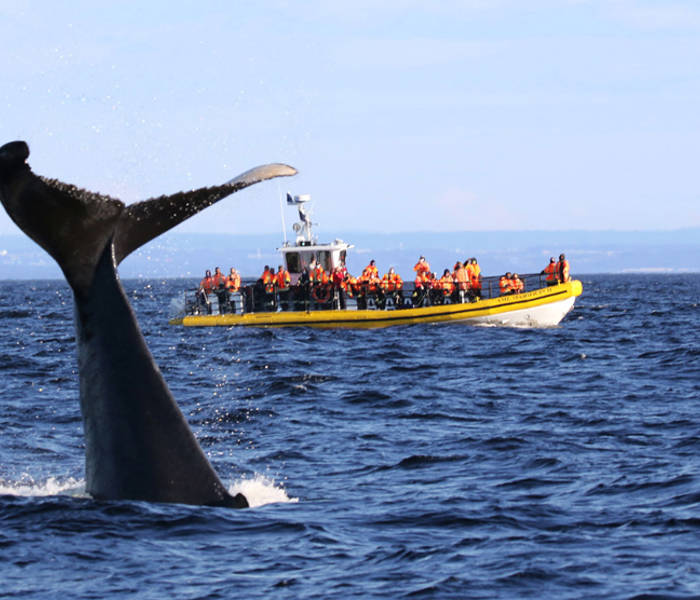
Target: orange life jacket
282, 279
268, 279
446, 284
505, 285
551, 272
421, 267
233, 282
391, 282
461, 277
563, 271
207, 284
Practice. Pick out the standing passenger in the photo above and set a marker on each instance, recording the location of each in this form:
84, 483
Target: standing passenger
550, 272
563, 274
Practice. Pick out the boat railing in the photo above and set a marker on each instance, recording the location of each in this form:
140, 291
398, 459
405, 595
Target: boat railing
254, 298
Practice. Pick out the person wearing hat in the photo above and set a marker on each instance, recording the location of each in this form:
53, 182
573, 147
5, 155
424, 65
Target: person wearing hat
550, 271
563, 274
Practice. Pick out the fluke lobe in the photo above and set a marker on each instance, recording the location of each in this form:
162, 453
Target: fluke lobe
138, 444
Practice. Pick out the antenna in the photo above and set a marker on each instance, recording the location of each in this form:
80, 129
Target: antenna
284, 225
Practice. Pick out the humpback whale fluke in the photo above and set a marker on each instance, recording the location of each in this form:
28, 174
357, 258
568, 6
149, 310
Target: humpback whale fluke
138, 444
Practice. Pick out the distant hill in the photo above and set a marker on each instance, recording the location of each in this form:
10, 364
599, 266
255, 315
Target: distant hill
188, 255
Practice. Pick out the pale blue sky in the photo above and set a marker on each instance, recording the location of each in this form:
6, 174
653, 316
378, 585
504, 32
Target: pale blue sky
400, 116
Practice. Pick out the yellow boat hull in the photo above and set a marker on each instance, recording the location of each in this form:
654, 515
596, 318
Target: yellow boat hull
544, 307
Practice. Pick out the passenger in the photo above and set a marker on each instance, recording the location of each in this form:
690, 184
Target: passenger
206, 287
321, 290
422, 266
517, 284
268, 280
232, 285
421, 296
550, 272
339, 279
392, 286
474, 279
371, 271
461, 279
505, 284
447, 285
219, 283
370, 284
436, 296
320, 275
563, 274
267, 287
219, 278
282, 282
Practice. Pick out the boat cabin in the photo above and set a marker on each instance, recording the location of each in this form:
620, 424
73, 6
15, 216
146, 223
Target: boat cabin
306, 249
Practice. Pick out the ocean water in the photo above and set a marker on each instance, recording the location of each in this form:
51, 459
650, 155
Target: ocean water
428, 461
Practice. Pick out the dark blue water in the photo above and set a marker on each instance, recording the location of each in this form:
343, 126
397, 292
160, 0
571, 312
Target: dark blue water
439, 461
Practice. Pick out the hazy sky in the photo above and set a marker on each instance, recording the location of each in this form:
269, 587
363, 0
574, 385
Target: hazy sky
400, 116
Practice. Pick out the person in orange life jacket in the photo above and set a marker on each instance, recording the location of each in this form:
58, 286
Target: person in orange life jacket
563, 274
550, 272
268, 280
219, 278
339, 279
282, 282
517, 284
474, 278
461, 279
422, 266
206, 286
370, 277
392, 285
233, 281
219, 283
370, 271
282, 279
232, 285
435, 288
421, 295
447, 285
320, 275
505, 284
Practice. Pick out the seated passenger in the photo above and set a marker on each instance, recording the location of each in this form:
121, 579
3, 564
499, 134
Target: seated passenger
447, 285
505, 284
517, 284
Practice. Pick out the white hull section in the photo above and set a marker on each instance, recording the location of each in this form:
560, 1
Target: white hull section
546, 315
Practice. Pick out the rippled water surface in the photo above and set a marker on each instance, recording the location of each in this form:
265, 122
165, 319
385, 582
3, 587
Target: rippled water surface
441, 461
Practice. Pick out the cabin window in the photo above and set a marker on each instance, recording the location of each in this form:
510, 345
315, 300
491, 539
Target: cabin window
294, 262
324, 257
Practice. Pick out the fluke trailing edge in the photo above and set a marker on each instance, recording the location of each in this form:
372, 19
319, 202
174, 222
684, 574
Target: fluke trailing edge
138, 443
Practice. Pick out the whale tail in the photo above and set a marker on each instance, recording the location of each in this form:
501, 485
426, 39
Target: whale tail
75, 225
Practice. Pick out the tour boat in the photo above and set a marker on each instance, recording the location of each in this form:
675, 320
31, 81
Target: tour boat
301, 305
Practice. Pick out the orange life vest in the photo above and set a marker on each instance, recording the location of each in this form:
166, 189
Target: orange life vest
504, 284
207, 284
233, 282
282, 279
563, 271
461, 277
551, 272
